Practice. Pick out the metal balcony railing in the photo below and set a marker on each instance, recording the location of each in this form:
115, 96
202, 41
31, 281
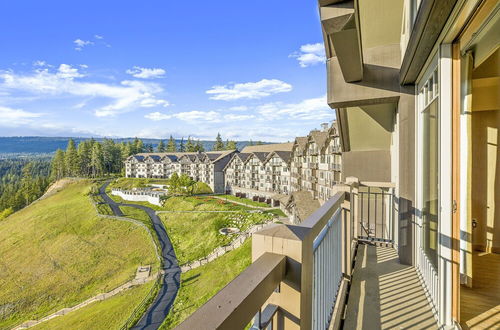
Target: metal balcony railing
301, 272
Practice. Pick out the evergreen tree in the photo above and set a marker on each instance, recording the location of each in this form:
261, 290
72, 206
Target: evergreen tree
160, 147
231, 145
139, 146
199, 147
71, 159
84, 153
97, 161
58, 166
190, 146
182, 148
171, 145
218, 145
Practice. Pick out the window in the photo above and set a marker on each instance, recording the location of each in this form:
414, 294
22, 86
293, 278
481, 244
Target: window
429, 101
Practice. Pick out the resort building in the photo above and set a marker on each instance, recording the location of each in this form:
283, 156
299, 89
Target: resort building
261, 173
206, 167
316, 162
415, 87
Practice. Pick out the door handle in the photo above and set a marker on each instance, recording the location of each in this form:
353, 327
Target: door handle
474, 223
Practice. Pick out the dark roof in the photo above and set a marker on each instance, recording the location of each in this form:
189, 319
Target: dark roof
261, 155
285, 155
243, 156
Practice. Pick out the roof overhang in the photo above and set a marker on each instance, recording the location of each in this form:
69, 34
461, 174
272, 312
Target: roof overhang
341, 29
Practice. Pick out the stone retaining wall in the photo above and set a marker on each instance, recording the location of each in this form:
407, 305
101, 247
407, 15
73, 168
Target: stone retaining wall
99, 297
220, 251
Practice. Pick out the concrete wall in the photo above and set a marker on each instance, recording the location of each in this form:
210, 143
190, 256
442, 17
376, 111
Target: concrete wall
137, 197
372, 166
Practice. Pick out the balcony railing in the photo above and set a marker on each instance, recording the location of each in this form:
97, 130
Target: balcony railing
300, 273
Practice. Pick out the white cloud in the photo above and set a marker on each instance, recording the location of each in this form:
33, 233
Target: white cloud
146, 73
80, 44
16, 117
250, 90
309, 109
40, 63
310, 54
117, 98
99, 37
66, 71
198, 116
235, 117
239, 108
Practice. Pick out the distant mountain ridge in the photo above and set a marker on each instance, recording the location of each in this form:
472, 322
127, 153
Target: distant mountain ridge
41, 144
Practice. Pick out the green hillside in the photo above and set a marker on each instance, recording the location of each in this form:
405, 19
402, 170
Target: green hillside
57, 253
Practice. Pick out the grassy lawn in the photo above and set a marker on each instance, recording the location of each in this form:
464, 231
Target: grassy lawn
200, 203
244, 200
201, 284
57, 253
195, 235
108, 314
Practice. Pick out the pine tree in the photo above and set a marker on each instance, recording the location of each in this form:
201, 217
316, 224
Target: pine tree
97, 161
190, 146
231, 145
171, 145
199, 147
84, 150
160, 147
71, 159
182, 148
218, 145
139, 146
57, 168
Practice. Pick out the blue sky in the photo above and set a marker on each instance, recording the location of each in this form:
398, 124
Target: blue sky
247, 69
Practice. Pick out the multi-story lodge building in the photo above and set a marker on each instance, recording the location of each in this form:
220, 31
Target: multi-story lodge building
416, 220
260, 172
206, 167
316, 162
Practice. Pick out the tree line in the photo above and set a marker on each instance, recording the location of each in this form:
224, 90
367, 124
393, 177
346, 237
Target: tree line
93, 159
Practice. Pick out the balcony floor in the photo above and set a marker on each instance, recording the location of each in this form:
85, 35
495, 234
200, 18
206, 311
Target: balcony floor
385, 294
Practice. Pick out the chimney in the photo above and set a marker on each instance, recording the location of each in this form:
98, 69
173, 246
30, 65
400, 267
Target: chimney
324, 127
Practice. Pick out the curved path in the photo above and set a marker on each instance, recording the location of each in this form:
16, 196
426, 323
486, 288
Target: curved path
158, 311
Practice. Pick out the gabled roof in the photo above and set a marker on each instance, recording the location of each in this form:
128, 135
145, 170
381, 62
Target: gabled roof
269, 147
172, 158
261, 156
285, 155
319, 137
242, 156
301, 142
137, 157
155, 158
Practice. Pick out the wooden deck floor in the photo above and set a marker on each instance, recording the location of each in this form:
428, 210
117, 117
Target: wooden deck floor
386, 294
480, 306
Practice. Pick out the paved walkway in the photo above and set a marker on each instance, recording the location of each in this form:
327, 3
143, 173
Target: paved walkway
385, 294
159, 309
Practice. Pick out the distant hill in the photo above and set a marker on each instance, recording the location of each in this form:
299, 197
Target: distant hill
43, 145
